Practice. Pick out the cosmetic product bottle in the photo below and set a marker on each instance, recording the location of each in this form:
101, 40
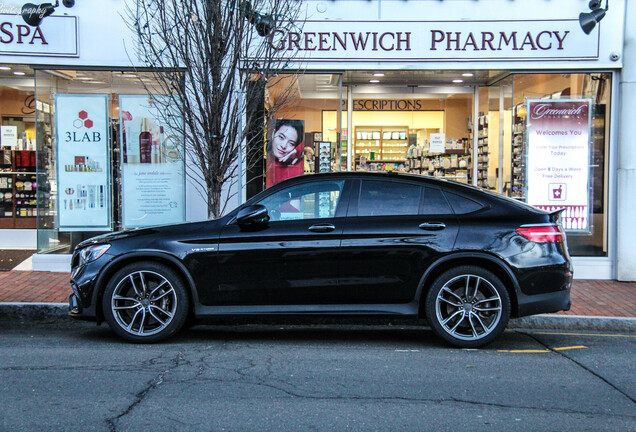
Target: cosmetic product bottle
145, 142
162, 146
156, 140
92, 196
124, 150
101, 196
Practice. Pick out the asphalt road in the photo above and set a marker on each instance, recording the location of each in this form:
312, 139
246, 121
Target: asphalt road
326, 378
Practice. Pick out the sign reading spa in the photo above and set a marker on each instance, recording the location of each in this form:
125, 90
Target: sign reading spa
55, 36
438, 41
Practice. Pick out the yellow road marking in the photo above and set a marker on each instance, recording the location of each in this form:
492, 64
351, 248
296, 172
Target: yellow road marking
543, 350
586, 334
568, 348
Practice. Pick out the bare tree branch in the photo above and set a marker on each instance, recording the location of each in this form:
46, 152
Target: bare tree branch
204, 54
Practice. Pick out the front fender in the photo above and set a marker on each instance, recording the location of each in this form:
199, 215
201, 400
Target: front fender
140, 255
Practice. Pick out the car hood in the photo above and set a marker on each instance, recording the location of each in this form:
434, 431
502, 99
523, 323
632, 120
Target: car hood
149, 231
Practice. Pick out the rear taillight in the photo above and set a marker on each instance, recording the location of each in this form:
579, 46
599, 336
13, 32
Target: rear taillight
542, 233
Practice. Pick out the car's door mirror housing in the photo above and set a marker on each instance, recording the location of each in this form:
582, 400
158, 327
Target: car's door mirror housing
252, 215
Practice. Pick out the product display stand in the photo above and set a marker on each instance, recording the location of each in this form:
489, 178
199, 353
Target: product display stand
453, 164
482, 154
18, 189
518, 178
381, 148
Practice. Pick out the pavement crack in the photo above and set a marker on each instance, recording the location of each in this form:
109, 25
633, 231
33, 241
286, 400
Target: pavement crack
582, 366
141, 395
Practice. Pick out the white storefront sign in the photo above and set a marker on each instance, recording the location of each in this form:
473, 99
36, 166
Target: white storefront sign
9, 136
82, 162
438, 40
438, 143
153, 171
55, 36
558, 134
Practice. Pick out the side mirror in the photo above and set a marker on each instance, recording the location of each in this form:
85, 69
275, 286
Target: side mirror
252, 215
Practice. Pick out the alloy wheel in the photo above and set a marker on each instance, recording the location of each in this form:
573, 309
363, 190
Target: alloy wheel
144, 303
468, 307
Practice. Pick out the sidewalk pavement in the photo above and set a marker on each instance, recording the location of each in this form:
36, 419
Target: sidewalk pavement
596, 304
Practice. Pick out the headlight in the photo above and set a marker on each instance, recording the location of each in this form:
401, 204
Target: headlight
91, 253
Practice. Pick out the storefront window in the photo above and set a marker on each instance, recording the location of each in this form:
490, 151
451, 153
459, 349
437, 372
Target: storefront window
17, 153
91, 179
304, 132
471, 127
566, 115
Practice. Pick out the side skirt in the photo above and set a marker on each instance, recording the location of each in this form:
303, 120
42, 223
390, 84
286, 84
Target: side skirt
403, 309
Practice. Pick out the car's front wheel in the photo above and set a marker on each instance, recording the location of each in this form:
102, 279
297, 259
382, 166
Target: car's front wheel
468, 306
145, 302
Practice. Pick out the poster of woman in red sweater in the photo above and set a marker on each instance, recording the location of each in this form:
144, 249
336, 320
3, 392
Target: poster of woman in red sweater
285, 151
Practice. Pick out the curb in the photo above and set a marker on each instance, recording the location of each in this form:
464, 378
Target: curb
33, 311
59, 312
574, 322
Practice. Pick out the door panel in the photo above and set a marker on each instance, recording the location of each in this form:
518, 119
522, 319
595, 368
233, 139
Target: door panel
294, 258
387, 255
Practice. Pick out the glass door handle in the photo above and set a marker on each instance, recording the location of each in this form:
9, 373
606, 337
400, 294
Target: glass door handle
327, 227
432, 226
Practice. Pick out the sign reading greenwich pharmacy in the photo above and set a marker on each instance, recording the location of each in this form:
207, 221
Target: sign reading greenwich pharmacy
56, 36
438, 40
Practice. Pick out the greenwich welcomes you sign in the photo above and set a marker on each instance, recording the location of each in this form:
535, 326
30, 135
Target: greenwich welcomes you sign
558, 139
438, 41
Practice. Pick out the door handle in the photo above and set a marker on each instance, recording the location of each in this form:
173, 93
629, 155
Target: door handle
327, 227
432, 226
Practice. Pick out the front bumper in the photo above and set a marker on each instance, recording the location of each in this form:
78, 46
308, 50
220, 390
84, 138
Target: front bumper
83, 301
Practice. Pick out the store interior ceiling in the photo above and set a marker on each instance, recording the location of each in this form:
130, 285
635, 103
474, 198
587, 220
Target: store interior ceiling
421, 84
402, 84
22, 77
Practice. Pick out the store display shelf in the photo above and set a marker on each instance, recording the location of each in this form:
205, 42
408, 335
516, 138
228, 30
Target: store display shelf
19, 172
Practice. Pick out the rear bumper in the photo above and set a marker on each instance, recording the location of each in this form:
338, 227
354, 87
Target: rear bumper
544, 303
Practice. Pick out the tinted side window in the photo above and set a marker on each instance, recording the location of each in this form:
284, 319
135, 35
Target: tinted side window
462, 205
379, 198
313, 200
434, 202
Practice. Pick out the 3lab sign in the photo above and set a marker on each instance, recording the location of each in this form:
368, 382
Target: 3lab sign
82, 162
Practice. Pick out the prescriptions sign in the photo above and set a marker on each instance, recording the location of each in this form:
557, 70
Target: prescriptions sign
558, 152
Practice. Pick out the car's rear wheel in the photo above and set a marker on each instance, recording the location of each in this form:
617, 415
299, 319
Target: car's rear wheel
145, 302
468, 306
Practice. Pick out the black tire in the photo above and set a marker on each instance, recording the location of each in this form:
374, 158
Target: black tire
468, 306
145, 302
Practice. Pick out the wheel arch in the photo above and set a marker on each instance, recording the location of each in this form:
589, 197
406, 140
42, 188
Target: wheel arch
489, 262
120, 262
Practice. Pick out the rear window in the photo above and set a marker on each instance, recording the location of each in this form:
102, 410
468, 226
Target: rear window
382, 198
462, 205
435, 203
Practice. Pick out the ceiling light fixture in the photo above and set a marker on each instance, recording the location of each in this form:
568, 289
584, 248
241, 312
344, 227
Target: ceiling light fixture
378, 74
5, 68
588, 20
19, 73
458, 80
468, 74
374, 81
